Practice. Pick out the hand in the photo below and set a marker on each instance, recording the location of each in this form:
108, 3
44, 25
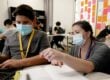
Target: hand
11, 63
52, 54
56, 63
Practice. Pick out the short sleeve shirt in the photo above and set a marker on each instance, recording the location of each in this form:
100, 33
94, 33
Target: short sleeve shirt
59, 30
99, 55
39, 43
9, 32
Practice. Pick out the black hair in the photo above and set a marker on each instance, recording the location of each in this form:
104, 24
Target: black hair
8, 22
107, 26
85, 25
24, 10
58, 23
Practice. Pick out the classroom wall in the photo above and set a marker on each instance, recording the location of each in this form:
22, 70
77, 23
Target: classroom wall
4, 4
97, 12
3, 11
35, 4
86, 10
63, 10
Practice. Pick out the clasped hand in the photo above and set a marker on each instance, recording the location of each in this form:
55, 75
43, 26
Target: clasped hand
10, 63
53, 56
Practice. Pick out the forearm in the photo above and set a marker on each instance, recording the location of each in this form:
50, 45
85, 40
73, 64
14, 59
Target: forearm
36, 60
78, 64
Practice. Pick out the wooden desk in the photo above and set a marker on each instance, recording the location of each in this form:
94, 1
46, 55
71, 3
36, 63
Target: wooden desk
50, 72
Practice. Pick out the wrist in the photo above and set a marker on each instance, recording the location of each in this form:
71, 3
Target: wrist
20, 64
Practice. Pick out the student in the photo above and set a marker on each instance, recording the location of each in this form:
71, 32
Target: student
87, 55
10, 29
102, 35
107, 40
38, 26
23, 48
57, 39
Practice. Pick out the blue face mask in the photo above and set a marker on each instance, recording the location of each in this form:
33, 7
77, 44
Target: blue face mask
78, 39
24, 29
1, 30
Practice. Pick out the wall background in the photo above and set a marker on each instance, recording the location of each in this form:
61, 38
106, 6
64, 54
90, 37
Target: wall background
63, 10
97, 12
4, 4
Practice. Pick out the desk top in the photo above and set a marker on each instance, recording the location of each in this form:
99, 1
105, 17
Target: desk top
49, 72
60, 35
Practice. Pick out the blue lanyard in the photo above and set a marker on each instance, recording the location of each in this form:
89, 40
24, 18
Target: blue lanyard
89, 50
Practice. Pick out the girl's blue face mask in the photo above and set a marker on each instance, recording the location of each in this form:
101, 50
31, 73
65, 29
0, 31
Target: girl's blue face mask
78, 39
24, 29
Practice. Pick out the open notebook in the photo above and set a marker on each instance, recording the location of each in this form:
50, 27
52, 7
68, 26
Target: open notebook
49, 72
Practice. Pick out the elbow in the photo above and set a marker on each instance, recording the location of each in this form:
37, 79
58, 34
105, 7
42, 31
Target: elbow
90, 68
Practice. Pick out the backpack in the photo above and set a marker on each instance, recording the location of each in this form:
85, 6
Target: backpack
61, 30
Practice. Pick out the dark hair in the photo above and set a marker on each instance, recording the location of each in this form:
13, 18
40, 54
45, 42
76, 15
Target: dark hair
58, 23
107, 26
7, 21
24, 10
85, 25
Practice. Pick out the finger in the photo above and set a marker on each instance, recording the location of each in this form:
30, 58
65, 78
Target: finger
49, 55
60, 63
45, 52
57, 63
51, 58
1, 65
54, 62
6, 66
42, 52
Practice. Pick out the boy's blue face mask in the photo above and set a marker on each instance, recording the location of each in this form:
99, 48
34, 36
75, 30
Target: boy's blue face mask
24, 29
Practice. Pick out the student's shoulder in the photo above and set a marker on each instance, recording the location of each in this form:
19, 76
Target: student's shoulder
12, 37
101, 45
40, 33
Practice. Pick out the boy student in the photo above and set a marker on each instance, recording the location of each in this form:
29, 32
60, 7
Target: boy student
22, 49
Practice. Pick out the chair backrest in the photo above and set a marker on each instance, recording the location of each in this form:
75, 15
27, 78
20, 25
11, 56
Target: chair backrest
61, 38
62, 31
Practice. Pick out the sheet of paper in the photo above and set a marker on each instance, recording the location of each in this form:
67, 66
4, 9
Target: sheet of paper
35, 74
100, 8
63, 73
49, 72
